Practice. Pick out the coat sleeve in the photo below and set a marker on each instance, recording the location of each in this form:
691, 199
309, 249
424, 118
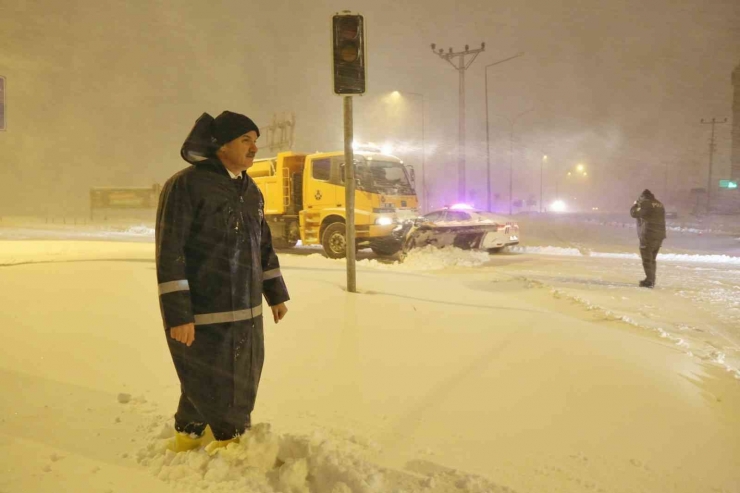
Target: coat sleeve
641, 209
174, 218
273, 284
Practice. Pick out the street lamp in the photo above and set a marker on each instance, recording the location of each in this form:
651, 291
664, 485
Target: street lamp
580, 169
488, 142
512, 123
544, 158
423, 152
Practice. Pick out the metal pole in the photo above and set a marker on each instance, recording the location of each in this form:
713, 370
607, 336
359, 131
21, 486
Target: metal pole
488, 150
349, 195
511, 156
425, 206
488, 139
461, 142
665, 185
511, 166
711, 157
542, 163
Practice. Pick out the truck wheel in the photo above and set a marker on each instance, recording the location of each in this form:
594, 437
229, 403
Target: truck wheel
334, 240
495, 250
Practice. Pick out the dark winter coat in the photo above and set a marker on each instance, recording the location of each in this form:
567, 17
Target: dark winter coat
215, 261
214, 250
650, 215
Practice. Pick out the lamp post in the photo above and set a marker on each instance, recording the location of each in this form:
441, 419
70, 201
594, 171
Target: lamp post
488, 141
423, 151
579, 169
512, 123
542, 163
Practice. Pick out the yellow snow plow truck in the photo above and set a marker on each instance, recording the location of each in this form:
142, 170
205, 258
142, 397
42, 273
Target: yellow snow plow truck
305, 199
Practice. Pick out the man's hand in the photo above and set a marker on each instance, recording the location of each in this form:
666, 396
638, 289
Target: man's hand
279, 311
184, 333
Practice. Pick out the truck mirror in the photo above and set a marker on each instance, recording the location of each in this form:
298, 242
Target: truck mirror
412, 175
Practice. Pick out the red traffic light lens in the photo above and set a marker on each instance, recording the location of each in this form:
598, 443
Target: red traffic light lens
348, 28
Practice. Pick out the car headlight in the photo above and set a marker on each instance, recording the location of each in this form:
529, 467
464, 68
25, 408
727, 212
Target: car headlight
384, 221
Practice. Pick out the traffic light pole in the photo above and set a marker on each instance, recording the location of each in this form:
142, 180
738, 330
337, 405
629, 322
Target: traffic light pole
349, 190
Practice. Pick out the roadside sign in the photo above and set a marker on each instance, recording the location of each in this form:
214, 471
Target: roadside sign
727, 184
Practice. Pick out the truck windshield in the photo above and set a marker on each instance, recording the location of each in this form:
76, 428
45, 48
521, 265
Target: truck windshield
383, 177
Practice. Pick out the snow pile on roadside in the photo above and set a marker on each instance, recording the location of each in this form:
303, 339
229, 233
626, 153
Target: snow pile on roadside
264, 461
267, 462
431, 258
677, 257
548, 250
668, 257
140, 230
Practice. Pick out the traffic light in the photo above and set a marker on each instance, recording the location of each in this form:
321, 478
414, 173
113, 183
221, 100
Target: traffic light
348, 53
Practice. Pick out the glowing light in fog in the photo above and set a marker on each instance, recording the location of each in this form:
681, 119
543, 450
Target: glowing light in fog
462, 207
386, 149
558, 206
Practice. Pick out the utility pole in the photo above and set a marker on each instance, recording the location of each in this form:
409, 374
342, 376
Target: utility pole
488, 139
711, 157
460, 65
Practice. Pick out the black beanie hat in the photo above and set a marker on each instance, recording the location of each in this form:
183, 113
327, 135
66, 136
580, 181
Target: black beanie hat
648, 194
228, 126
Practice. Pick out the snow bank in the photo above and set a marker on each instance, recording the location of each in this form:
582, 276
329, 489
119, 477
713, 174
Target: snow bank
431, 258
265, 461
140, 231
668, 257
548, 250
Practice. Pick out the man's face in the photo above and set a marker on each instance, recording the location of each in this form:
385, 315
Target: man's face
239, 153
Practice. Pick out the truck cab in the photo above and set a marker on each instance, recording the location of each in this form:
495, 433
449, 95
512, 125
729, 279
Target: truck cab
305, 199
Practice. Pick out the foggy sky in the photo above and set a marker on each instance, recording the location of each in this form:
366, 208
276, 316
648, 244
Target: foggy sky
102, 93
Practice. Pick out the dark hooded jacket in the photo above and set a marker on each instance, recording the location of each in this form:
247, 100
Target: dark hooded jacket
650, 215
215, 261
213, 247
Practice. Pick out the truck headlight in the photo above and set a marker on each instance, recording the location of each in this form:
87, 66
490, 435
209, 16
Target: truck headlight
384, 221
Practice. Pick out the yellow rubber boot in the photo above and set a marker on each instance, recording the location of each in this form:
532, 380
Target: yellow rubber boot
216, 445
184, 442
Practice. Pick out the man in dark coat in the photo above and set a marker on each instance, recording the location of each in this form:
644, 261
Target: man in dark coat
650, 215
215, 261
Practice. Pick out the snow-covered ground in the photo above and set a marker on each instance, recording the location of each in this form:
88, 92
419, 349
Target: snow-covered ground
542, 369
